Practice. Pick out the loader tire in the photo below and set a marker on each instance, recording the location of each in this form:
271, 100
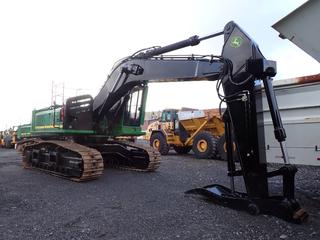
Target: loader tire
158, 141
204, 145
222, 150
182, 149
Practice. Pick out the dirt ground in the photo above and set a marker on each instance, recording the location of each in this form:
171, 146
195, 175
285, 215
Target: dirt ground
132, 205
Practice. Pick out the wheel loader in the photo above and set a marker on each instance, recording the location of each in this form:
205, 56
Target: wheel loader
1, 139
8, 138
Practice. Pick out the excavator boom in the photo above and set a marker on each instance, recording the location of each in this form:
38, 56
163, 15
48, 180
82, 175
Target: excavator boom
164, 69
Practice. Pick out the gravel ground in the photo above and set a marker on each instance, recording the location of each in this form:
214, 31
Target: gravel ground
130, 205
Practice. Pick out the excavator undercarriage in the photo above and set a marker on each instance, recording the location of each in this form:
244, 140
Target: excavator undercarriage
84, 162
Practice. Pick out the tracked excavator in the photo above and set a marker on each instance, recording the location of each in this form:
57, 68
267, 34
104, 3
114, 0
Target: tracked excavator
76, 140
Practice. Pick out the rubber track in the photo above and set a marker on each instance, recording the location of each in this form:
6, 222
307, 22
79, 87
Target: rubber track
92, 160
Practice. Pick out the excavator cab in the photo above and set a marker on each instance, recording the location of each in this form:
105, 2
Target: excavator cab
133, 110
127, 117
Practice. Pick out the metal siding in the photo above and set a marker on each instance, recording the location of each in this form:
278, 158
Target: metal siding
300, 112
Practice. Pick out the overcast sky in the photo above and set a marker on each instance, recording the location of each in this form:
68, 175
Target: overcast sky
76, 43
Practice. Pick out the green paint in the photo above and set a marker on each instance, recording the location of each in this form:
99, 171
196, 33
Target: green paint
46, 118
127, 131
23, 131
236, 41
59, 132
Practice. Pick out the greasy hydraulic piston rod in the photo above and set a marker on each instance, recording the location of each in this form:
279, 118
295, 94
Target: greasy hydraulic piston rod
192, 41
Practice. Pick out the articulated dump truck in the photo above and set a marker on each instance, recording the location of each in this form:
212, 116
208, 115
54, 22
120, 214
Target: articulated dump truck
183, 130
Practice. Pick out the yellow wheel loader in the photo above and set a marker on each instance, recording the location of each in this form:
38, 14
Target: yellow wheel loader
8, 138
1, 139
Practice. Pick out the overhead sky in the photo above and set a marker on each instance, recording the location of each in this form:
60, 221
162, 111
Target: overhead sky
76, 42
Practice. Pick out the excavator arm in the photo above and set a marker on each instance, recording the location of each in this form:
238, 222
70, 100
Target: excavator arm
239, 68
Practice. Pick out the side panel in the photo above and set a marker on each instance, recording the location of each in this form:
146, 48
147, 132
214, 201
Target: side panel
47, 118
46, 122
24, 131
300, 111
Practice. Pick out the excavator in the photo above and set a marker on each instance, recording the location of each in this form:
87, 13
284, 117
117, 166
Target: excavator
78, 139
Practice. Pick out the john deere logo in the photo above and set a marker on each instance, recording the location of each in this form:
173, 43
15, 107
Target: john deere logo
236, 41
